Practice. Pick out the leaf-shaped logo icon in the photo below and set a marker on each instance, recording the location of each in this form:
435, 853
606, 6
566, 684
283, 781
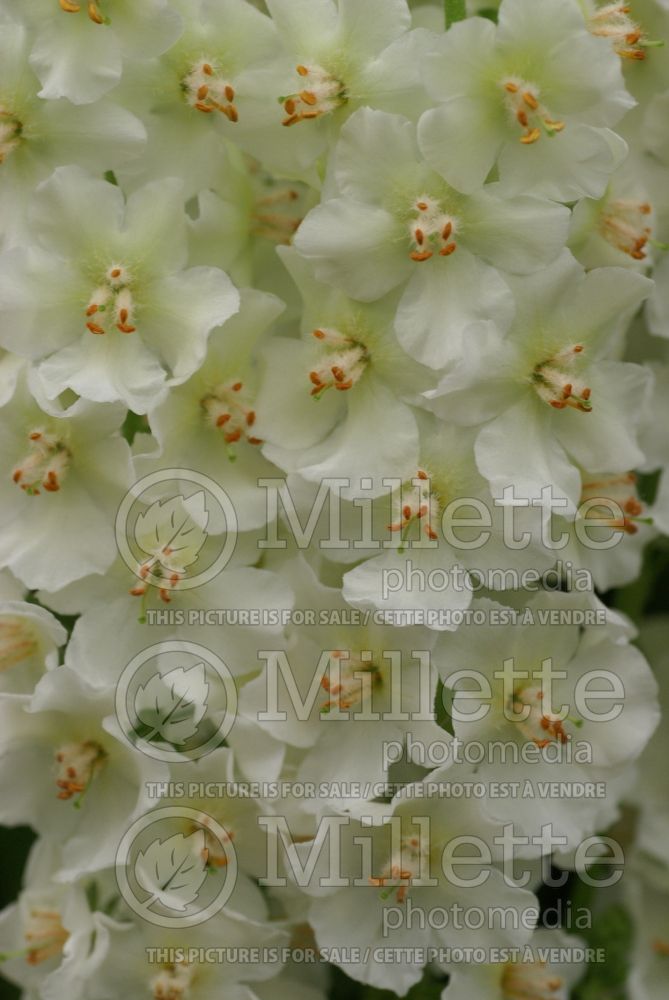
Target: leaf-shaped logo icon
173, 870
168, 532
172, 705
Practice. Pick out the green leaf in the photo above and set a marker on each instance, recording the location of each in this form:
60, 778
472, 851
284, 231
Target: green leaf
455, 10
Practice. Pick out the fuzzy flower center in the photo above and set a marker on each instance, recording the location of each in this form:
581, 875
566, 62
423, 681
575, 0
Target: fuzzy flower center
92, 8
539, 727
18, 641
554, 381
523, 102
407, 863
10, 132
431, 230
173, 982
45, 464
228, 408
621, 489
530, 981
344, 684
417, 504
624, 224
76, 766
341, 365
44, 934
207, 90
321, 94
112, 302
613, 21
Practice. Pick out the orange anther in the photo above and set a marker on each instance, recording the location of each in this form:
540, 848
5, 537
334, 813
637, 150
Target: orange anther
94, 13
203, 107
303, 71
447, 230
229, 92
530, 137
116, 272
308, 97
448, 250
207, 69
424, 255
511, 87
68, 7
420, 237
250, 418
318, 334
202, 92
530, 100
94, 328
237, 386
223, 419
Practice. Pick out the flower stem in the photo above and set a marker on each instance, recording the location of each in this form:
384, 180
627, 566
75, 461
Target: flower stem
455, 11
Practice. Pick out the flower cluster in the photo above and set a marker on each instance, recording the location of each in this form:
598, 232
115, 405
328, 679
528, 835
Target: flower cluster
333, 388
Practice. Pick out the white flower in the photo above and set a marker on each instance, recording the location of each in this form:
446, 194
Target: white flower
62, 474
338, 55
29, 641
532, 95
193, 95
531, 689
65, 771
37, 135
80, 47
391, 220
209, 424
335, 403
105, 295
548, 395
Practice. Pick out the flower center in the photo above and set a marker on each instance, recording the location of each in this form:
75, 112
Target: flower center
10, 132
214, 852
539, 727
612, 21
322, 93
112, 301
173, 983
44, 934
431, 230
18, 641
624, 224
344, 688
523, 103
622, 491
228, 409
417, 504
554, 382
406, 864
207, 90
92, 8
44, 466
530, 981
76, 765
341, 365
271, 220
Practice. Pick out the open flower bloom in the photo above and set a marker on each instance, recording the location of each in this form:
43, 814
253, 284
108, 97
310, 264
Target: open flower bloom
65, 770
123, 611
549, 397
81, 45
62, 474
37, 135
335, 403
104, 296
137, 958
534, 95
358, 687
392, 220
531, 976
337, 55
30, 637
209, 423
548, 690
444, 539
190, 97
53, 937
403, 864
617, 229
